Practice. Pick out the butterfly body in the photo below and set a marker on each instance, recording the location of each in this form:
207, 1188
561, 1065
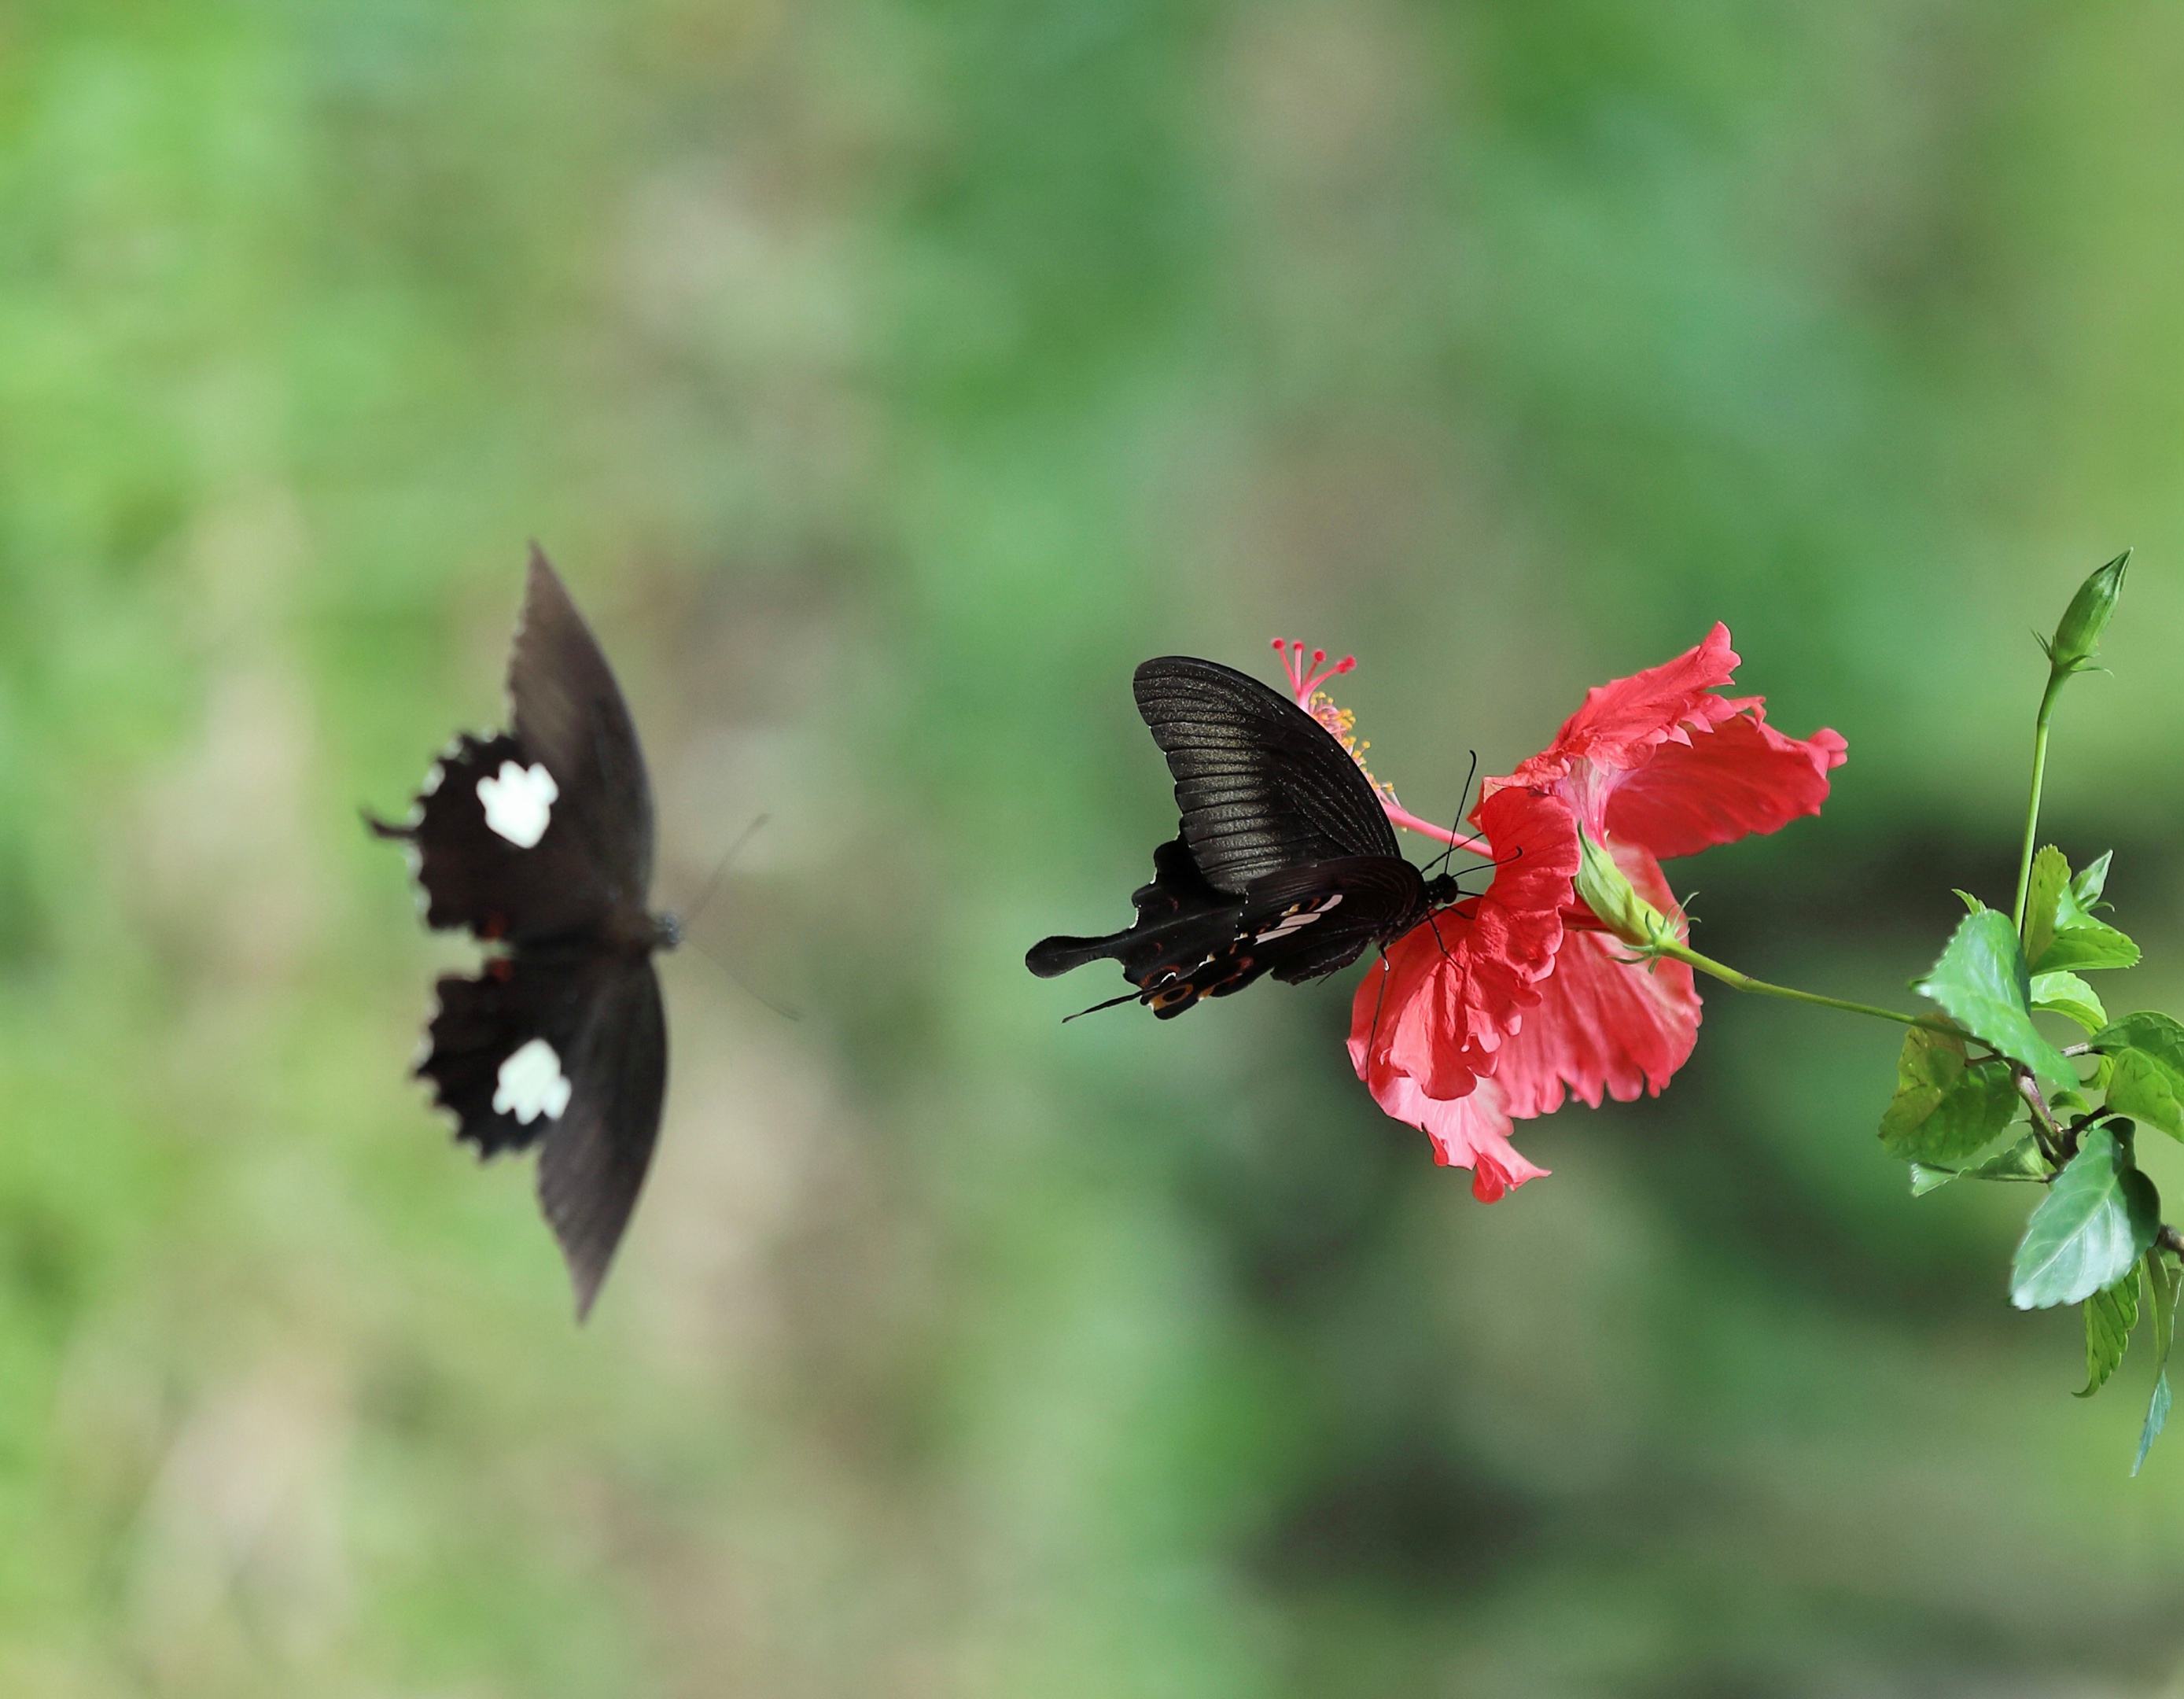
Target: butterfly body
1283, 862
538, 841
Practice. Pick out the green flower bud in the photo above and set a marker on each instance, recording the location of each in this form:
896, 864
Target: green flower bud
2087, 616
1613, 900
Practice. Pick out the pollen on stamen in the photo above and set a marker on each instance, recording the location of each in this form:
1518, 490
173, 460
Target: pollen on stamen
1308, 671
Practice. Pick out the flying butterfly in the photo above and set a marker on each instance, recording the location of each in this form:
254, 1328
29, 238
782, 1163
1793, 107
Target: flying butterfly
538, 841
1283, 863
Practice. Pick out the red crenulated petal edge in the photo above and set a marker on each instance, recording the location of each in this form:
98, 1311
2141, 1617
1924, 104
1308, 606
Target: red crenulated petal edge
1450, 992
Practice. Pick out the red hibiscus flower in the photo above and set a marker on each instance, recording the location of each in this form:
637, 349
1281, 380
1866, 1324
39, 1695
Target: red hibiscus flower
1495, 1011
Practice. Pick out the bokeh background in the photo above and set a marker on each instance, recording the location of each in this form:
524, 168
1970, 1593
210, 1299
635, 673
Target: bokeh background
887, 380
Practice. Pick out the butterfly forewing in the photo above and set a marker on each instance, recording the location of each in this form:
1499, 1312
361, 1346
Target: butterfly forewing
569, 713
1263, 786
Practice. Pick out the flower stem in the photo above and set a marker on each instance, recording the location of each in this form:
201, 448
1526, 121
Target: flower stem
2055, 677
1763, 988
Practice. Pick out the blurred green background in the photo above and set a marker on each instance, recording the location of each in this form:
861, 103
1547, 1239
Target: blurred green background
888, 379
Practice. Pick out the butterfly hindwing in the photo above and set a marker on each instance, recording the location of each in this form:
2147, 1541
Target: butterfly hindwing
502, 1049
1191, 941
1314, 921
1263, 786
1298, 925
1178, 913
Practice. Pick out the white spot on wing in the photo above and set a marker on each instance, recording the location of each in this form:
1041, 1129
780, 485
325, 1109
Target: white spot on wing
531, 1084
519, 803
1298, 920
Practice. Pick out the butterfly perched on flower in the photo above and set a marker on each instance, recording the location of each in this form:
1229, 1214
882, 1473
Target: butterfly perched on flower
1285, 862
538, 841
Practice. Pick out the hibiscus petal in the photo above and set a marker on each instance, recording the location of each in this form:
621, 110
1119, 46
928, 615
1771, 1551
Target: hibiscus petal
1603, 1025
1622, 721
1740, 777
1450, 992
1472, 1131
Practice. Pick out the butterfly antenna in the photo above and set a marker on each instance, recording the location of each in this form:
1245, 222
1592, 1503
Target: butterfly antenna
1461, 808
711, 890
745, 985
713, 885
1515, 855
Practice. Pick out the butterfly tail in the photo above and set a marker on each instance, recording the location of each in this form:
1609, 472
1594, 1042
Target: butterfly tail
1051, 957
1175, 898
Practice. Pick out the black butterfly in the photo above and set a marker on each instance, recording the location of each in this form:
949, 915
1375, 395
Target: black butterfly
539, 840
1285, 862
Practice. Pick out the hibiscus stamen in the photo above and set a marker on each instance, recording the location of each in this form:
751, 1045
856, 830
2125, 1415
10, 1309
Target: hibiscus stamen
1306, 676
1308, 671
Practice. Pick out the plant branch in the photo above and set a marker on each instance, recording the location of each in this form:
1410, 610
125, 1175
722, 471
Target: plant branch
1763, 988
2045, 1127
2055, 677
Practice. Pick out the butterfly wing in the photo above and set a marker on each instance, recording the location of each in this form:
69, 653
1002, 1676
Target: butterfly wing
1263, 786
1310, 922
544, 831
569, 712
1191, 941
1180, 915
596, 1158
568, 1052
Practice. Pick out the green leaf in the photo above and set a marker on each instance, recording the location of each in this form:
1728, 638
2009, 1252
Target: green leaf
2073, 938
2092, 880
1944, 1111
2022, 1160
2065, 994
1981, 983
2157, 1418
2088, 945
2163, 1274
2051, 877
2110, 1315
2060, 930
2099, 1215
2147, 1082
